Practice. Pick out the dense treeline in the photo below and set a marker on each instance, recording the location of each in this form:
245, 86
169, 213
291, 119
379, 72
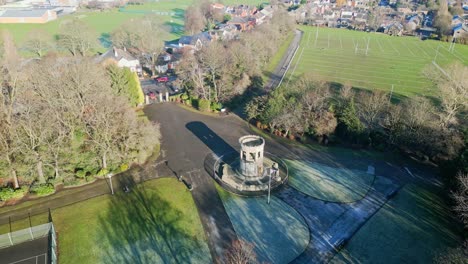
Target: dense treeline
61, 121
223, 69
312, 107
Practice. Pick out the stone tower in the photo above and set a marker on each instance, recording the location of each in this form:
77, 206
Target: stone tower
251, 157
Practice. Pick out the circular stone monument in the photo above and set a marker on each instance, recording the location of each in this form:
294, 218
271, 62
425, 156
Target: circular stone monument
252, 171
251, 157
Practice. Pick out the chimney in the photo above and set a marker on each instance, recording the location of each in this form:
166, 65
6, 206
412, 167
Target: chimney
115, 52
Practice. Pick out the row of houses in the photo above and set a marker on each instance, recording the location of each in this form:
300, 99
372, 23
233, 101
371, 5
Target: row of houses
387, 19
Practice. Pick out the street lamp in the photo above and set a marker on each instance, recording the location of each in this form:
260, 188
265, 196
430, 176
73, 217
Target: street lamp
272, 171
109, 176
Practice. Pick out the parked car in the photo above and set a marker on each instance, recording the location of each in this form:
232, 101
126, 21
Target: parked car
162, 79
170, 71
152, 95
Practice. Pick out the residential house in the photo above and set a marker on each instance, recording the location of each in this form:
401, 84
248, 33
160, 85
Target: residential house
196, 41
227, 31
394, 29
122, 58
242, 23
32, 16
241, 11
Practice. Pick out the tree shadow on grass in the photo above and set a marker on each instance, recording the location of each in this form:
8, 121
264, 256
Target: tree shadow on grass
142, 227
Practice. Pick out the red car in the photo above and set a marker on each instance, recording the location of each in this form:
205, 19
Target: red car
152, 96
162, 79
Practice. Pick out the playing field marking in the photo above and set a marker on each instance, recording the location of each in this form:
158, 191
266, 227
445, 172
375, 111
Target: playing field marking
341, 43
461, 54
461, 59
34, 257
408, 48
374, 56
308, 39
316, 37
391, 45
398, 61
295, 66
366, 75
328, 40
436, 51
380, 46
427, 55
335, 72
374, 70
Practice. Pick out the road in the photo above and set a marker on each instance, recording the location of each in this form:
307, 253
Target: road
282, 67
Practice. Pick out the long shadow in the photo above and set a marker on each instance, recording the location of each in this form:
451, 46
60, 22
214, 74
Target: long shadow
142, 227
210, 138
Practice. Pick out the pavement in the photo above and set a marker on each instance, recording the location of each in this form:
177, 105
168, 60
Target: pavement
282, 68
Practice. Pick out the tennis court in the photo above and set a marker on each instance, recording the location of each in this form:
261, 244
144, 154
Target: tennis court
30, 252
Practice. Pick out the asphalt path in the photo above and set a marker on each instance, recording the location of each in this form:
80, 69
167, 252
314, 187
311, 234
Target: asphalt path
282, 67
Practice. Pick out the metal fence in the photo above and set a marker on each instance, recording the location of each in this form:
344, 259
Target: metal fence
32, 233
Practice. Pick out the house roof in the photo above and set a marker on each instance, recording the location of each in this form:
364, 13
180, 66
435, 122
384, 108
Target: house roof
121, 54
238, 20
24, 13
192, 40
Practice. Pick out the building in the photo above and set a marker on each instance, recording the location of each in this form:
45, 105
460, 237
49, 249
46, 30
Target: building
122, 58
32, 16
196, 41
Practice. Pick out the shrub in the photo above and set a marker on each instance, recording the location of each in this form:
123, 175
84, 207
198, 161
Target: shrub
204, 105
89, 178
8, 193
43, 189
215, 106
80, 174
102, 173
124, 167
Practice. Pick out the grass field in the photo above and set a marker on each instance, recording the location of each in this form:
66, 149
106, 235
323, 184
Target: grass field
328, 183
103, 23
277, 231
411, 228
171, 13
398, 61
155, 223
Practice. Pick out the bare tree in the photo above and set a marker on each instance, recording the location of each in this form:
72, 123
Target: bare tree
194, 20
443, 19
461, 197
372, 106
77, 37
11, 79
38, 42
241, 252
453, 88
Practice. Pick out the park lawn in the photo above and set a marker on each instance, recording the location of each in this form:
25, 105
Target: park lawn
399, 61
332, 184
157, 222
411, 228
277, 231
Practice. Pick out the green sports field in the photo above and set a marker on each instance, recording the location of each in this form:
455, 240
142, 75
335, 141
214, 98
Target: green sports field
339, 55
